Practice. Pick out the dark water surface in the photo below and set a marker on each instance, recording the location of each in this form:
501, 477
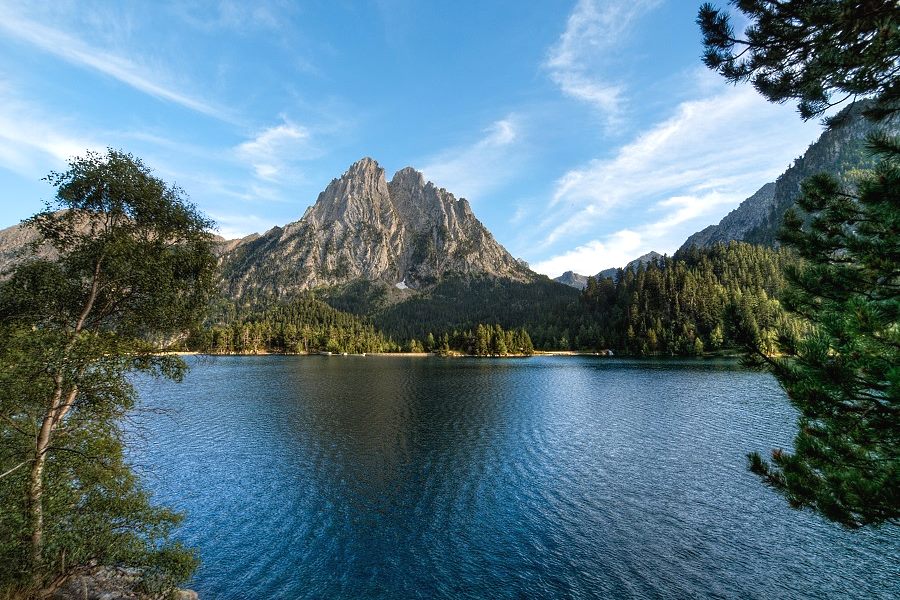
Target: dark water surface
352, 477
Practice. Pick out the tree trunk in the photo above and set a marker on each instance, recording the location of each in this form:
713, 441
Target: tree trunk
58, 409
36, 497
52, 419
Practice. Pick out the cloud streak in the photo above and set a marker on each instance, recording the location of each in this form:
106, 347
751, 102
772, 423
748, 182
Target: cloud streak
676, 176
471, 171
717, 147
28, 138
270, 151
76, 52
593, 31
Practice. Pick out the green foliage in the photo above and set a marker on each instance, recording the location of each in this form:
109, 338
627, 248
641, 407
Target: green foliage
842, 372
133, 271
488, 340
304, 325
543, 307
309, 325
818, 53
686, 304
844, 376
94, 507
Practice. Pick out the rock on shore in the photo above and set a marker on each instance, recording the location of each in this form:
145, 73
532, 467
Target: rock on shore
110, 583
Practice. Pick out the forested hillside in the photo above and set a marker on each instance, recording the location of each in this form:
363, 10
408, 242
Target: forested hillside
542, 307
304, 325
698, 301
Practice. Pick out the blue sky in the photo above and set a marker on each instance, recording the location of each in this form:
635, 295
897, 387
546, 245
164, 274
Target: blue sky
583, 133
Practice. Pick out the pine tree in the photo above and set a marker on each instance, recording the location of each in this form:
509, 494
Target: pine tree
844, 377
841, 373
819, 53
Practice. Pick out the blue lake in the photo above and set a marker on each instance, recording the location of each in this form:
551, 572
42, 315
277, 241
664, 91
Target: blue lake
548, 477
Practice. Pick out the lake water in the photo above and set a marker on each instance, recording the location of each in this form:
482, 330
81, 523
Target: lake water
368, 477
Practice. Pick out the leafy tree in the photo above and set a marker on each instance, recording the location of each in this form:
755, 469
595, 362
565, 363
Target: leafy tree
842, 373
819, 53
133, 269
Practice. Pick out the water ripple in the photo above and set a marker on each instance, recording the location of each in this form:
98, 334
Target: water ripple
350, 477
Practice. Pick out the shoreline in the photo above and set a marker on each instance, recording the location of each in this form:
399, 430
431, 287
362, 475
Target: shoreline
556, 353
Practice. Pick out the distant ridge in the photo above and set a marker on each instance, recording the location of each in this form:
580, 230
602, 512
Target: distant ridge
577, 281
633, 265
758, 218
572, 279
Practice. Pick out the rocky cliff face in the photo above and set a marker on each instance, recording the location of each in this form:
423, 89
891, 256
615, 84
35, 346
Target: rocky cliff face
572, 279
405, 232
14, 243
577, 281
739, 222
758, 218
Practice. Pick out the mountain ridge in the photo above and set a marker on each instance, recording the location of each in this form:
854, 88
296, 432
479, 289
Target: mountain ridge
577, 281
837, 151
405, 232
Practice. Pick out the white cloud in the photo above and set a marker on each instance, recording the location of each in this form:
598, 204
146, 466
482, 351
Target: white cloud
472, 171
714, 151
589, 259
29, 138
232, 226
272, 151
686, 208
594, 31
75, 51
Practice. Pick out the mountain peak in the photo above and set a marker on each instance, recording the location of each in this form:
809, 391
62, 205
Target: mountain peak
364, 164
408, 176
362, 227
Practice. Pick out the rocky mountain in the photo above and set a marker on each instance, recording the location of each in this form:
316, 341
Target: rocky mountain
406, 233
13, 243
758, 218
577, 281
738, 223
572, 279
633, 265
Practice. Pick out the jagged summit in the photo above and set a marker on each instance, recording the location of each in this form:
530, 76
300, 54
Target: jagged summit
363, 227
409, 174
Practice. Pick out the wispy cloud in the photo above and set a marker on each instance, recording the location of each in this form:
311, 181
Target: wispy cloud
715, 151
593, 33
271, 151
683, 209
32, 142
471, 171
77, 52
234, 226
233, 15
